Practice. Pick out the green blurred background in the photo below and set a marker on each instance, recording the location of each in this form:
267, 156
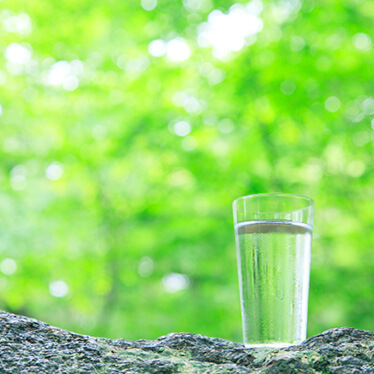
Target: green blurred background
127, 128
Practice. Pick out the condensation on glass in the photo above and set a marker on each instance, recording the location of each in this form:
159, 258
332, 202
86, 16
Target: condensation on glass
273, 235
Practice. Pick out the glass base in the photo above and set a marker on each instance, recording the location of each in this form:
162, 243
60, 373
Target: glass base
269, 345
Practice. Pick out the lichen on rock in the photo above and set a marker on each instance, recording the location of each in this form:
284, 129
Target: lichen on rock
29, 346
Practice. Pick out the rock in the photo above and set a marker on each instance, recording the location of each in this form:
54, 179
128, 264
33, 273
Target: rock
29, 346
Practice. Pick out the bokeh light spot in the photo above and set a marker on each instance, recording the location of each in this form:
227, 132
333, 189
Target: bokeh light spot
288, 87
58, 288
368, 106
18, 54
64, 74
189, 143
225, 126
157, 48
332, 104
54, 171
145, 267
148, 5
70, 83
19, 24
227, 33
297, 43
18, 180
362, 138
356, 168
177, 50
192, 105
196, 5
181, 178
362, 42
213, 74
8, 266
174, 282
182, 128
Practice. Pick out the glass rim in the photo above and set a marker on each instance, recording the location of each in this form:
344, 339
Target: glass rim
280, 194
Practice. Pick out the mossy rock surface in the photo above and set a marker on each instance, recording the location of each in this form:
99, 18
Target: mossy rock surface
30, 346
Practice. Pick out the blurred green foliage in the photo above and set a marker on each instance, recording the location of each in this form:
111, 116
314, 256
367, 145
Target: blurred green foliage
128, 128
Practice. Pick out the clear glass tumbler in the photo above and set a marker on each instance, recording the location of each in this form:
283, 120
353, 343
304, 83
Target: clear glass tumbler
273, 235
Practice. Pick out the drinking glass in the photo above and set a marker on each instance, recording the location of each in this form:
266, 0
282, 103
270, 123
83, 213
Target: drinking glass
273, 234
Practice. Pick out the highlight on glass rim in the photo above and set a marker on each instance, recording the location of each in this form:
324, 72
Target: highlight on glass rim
128, 128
